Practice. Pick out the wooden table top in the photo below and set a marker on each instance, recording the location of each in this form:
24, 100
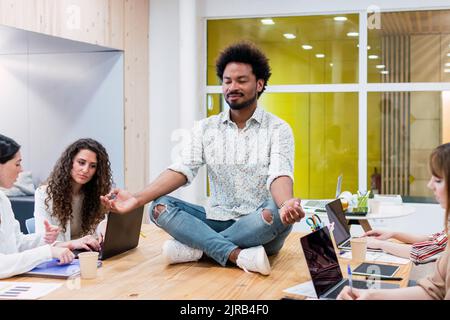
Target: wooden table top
142, 274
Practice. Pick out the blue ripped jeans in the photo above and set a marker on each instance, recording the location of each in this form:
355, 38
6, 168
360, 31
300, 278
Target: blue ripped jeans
188, 224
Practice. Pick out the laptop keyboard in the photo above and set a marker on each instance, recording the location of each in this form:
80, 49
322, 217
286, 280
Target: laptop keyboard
316, 203
346, 244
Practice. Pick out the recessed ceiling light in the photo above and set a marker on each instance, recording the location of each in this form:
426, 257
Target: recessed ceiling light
306, 47
331, 65
320, 55
340, 18
373, 57
267, 21
352, 34
447, 64
289, 36
380, 66
384, 72
447, 70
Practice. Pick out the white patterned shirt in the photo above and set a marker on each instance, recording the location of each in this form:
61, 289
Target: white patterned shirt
241, 163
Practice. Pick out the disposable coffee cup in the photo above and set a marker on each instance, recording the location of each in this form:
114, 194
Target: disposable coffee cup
88, 264
359, 248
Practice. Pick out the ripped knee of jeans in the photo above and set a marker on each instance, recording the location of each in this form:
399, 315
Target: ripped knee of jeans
158, 210
267, 216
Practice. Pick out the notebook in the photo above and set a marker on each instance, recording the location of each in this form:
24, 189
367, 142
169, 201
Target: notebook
324, 268
320, 204
51, 269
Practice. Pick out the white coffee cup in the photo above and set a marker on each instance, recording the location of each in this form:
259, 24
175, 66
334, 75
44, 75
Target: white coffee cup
88, 264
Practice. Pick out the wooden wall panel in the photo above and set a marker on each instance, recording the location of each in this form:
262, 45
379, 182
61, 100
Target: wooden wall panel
115, 23
93, 21
119, 24
136, 93
395, 135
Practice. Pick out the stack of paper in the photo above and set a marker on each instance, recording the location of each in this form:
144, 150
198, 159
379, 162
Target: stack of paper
304, 289
378, 257
26, 290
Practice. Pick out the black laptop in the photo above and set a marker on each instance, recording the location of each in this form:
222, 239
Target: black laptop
324, 267
122, 233
341, 230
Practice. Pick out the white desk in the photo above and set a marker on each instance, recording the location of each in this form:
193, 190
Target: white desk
386, 212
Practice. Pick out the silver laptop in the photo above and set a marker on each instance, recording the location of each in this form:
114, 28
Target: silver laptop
324, 267
341, 231
320, 204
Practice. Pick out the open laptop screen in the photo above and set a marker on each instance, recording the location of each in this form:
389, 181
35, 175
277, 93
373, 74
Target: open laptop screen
321, 259
336, 214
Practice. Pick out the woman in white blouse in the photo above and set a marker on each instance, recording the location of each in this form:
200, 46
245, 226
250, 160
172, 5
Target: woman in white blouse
20, 253
71, 197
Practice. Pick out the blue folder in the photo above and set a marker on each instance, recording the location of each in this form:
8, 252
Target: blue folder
52, 269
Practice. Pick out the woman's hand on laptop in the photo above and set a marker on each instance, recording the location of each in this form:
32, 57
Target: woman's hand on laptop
291, 211
89, 243
64, 255
120, 201
379, 234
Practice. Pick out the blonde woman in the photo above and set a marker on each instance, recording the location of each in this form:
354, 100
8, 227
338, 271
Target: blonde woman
437, 285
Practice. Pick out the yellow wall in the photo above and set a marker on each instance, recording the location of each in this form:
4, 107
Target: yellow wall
289, 62
325, 125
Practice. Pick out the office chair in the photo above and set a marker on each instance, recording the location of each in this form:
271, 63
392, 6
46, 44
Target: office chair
30, 225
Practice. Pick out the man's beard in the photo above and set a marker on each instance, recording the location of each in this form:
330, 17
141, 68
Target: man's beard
242, 105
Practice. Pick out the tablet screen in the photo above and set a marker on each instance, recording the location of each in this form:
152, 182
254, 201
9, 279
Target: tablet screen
372, 269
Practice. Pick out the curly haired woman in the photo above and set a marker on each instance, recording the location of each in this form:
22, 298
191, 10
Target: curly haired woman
71, 197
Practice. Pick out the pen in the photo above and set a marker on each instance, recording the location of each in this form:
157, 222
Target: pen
350, 282
112, 196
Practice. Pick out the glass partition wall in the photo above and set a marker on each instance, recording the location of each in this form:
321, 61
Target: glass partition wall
372, 114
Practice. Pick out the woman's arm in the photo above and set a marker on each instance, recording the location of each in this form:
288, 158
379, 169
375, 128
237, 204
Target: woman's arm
18, 252
400, 236
411, 293
397, 249
17, 263
409, 237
